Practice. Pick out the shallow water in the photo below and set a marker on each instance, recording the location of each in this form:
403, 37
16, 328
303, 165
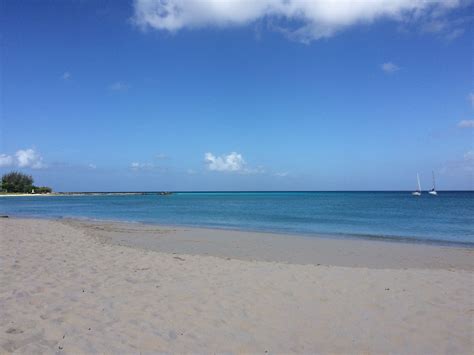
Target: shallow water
446, 218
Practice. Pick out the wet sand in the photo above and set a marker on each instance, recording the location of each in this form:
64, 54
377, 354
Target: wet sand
293, 249
74, 286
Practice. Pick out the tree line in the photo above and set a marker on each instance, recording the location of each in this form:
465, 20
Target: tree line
16, 182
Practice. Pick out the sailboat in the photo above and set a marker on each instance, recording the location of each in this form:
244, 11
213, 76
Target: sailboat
433, 190
418, 190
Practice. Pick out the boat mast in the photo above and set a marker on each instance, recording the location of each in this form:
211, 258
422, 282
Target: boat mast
434, 185
418, 179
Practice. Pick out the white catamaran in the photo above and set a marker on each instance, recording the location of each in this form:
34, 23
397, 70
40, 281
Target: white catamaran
418, 190
433, 190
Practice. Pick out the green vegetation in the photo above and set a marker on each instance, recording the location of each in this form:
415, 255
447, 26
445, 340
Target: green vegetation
42, 189
16, 182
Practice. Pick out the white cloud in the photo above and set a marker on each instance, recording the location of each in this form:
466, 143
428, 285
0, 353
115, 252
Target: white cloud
161, 156
389, 67
230, 162
315, 19
66, 76
29, 158
92, 166
118, 86
282, 174
470, 97
466, 124
6, 160
23, 158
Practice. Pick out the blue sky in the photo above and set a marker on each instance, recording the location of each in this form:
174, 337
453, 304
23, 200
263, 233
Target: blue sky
123, 95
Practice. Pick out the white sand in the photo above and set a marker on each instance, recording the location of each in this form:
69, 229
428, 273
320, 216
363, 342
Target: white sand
65, 287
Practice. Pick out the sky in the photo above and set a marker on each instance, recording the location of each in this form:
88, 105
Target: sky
191, 95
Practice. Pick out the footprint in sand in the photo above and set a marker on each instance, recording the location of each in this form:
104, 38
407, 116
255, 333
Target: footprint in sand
14, 331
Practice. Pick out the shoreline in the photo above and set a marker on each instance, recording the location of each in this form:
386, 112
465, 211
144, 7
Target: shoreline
275, 247
89, 287
80, 287
331, 236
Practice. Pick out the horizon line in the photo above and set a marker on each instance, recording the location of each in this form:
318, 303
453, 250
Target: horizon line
246, 191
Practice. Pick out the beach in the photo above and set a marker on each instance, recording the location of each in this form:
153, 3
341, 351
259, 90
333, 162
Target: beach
75, 286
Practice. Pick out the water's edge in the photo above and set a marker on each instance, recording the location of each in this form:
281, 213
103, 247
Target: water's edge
340, 236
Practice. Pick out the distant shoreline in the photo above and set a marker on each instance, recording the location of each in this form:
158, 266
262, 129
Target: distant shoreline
84, 194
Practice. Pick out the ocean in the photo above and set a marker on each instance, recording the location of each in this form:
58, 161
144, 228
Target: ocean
447, 218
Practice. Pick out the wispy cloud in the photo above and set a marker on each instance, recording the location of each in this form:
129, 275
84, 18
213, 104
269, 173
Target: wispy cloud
443, 26
468, 163
466, 124
23, 158
311, 20
152, 164
258, 170
453, 34
282, 174
389, 67
469, 155
119, 86
92, 166
6, 161
470, 97
66, 76
136, 166
459, 166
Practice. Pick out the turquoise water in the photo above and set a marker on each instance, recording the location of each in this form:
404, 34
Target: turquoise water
447, 218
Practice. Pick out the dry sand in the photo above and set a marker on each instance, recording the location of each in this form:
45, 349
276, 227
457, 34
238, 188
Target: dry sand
70, 287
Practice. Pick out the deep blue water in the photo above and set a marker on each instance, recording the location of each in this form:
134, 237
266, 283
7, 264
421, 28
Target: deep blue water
446, 218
